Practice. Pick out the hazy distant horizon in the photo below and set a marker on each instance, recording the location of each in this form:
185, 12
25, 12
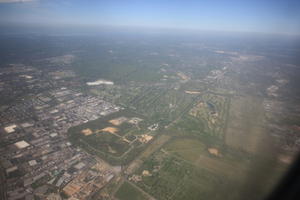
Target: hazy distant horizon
271, 17
76, 29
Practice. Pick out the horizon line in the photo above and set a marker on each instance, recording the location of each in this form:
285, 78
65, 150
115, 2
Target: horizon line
102, 27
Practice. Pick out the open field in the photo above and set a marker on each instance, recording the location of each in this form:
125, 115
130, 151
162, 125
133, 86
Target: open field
118, 121
212, 110
197, 153
154, 146
187, 148
113, 137
129, 192
173, 178
106, 143
109, 129
206, 119
246, 129
185, 169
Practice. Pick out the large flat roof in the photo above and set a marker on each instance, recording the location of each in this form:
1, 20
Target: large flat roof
21, 144
10, 129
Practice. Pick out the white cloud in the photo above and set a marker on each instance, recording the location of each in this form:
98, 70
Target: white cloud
15, 1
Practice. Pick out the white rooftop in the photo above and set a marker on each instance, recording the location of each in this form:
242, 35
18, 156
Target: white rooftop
32, 162
11, 128
22, 144
26, 124
53, 134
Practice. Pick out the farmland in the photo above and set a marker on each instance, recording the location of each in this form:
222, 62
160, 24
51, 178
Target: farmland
185, 168
174, 178
246, 129
129, 192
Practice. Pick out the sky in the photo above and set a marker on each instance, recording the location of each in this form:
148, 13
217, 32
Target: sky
267, 16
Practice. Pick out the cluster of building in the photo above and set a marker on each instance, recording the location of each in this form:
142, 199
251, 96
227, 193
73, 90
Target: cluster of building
35, 156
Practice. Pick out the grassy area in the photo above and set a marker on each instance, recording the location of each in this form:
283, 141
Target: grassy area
196, 153
106, 143
205, 118
246, 126
129, 192
112, 147
211, 109
184, 169
188, 149
154, 146
173, 178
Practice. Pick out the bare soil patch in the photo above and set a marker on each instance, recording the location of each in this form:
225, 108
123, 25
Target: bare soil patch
118, 121
213, 151
110, 130
87, 132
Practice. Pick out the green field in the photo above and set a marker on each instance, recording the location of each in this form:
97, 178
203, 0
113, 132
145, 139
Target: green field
173, 178
246, 128
117, 148
185, 170
206, 119
193, 151
211, 109
129, 192
189, 149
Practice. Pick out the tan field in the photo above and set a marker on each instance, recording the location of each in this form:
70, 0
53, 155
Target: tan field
213, 151
118, 121
87, 132
109, 129
145, 138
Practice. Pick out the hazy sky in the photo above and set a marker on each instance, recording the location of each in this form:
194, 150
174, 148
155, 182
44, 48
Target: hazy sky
274, 16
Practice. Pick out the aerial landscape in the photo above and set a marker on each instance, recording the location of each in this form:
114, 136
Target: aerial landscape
144, 115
